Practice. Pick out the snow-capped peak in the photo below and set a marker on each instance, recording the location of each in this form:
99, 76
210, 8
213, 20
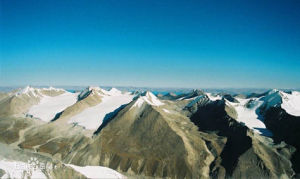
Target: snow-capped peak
272, 99
149, 98
53, 89
91, 90
28, 90
114, 91
99, 91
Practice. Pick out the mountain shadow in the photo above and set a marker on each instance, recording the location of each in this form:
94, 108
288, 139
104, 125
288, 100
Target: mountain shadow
285, 127
213, 117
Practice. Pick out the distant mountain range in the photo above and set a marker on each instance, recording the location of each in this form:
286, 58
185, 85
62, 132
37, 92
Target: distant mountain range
160, 90
95, 132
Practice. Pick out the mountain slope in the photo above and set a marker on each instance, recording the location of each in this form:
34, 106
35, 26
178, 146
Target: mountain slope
143, 139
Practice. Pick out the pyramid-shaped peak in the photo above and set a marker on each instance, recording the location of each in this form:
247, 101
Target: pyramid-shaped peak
89, 90
150, 98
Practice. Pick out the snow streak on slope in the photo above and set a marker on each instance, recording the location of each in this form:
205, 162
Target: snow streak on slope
167, 111
17, 169
91, 118
49, 106
291, 103
97, 172
249, 115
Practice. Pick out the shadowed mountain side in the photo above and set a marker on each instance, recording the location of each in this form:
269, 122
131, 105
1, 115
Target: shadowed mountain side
215, 117
285, 127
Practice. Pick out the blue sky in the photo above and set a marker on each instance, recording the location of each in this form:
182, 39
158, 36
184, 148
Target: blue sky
166, 43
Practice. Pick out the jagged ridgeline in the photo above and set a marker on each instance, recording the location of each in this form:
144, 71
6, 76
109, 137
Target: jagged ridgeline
97, 133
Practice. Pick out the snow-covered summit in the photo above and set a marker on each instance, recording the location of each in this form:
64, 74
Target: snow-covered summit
114, 91
213, 97
90, 90
53, 89
99, 91
28, 90
272, 99
149, 98
36, 92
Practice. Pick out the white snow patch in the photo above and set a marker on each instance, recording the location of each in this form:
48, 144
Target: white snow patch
152, 99
14, 169
91, 118
49, 106
213, 97
97, 172
167, 111
249, 116
179, 99
291, 103
88, 90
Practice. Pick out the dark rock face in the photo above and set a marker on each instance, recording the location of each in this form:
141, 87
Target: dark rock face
2, 172
213, 117
285, 127
194, 93
193, 106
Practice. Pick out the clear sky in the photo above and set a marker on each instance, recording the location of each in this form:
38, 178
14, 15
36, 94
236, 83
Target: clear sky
163, 43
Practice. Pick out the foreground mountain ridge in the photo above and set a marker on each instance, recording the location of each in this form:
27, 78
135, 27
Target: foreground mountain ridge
193, 135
